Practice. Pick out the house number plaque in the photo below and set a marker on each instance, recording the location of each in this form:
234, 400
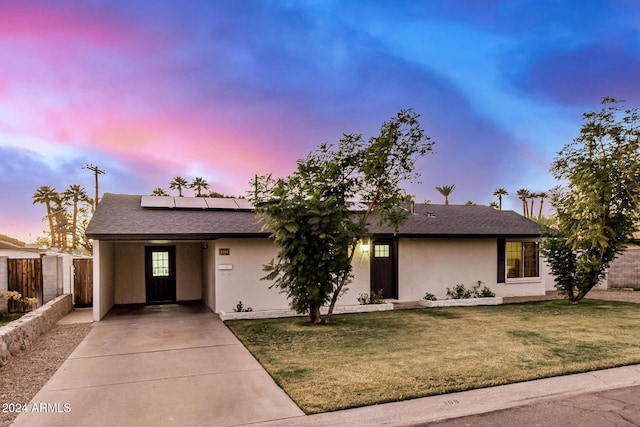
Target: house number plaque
224, 251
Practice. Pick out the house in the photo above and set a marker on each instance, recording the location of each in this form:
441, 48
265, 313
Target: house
56, 268
624, 271
163, 249
14, 248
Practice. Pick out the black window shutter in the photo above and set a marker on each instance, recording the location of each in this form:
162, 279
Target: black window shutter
501, 260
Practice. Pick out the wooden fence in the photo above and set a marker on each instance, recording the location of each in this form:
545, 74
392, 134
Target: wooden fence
25, 277
83, 282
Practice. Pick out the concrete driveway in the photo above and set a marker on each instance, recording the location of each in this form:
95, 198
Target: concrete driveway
165, 365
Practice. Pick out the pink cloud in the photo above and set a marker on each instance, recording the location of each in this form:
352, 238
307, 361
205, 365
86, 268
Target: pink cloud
47, 23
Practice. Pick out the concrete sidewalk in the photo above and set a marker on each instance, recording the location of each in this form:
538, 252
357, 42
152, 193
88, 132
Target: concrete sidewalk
163, 367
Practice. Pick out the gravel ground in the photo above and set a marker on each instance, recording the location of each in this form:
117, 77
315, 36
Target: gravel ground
25, 374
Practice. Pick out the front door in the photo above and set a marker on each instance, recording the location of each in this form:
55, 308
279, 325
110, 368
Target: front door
384, 267
160, 268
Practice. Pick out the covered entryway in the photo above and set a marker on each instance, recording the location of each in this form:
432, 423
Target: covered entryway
384, 267
160, 273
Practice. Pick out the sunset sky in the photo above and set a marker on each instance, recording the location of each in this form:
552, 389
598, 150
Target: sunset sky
151, 89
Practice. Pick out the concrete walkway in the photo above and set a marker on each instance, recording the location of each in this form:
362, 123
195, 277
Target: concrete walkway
160, 366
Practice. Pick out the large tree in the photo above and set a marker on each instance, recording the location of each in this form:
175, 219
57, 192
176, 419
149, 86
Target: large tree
597, 209
523, 195
76, 194
47, 195
199, 184
319, 213
499, 193
446, 191
159, 191
178, 183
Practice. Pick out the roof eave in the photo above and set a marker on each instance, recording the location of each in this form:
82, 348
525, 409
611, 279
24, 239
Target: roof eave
177, 237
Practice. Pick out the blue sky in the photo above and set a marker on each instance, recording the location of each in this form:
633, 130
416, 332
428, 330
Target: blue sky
149, 90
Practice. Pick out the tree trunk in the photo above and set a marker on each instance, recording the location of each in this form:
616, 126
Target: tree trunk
531, 210
52, 229
314, 314
74, 226
540, 212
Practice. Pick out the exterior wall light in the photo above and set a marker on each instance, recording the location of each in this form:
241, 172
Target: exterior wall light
365, 247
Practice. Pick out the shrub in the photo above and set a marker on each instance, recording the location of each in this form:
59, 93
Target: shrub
458, 292
429, 297
17, 303
483, 293
240, 308
375, 298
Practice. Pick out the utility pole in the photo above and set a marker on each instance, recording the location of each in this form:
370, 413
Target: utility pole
96, 171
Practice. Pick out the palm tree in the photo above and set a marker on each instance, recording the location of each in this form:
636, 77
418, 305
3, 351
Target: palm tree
75, 194
494, 205
499, 193
159, 192
446, 191
46, 195
533, 197
199, 184
178, 183
61, 227
523, 195
542, 196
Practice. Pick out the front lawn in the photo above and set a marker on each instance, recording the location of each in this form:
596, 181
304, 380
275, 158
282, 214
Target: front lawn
368, 358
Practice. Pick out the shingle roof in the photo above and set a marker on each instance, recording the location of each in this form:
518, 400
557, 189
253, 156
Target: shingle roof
121, 217
7, 242
463, 221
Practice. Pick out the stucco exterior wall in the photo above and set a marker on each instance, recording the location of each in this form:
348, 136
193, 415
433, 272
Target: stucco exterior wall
130, 287
361, 283
242, 282
129, 273
208, 274
103, 278
189, 271
433, 265
237, 275
19, 253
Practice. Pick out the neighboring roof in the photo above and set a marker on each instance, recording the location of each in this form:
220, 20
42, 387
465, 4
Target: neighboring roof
7, 242
122, 217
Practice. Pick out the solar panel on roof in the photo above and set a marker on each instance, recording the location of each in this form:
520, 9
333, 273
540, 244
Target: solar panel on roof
191, 203
243, 204
220, 203
157, 202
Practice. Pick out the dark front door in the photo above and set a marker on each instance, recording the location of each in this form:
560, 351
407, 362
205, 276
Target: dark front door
160, 268
384, 267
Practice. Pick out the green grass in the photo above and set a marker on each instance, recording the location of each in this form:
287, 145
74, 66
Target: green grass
369, 358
